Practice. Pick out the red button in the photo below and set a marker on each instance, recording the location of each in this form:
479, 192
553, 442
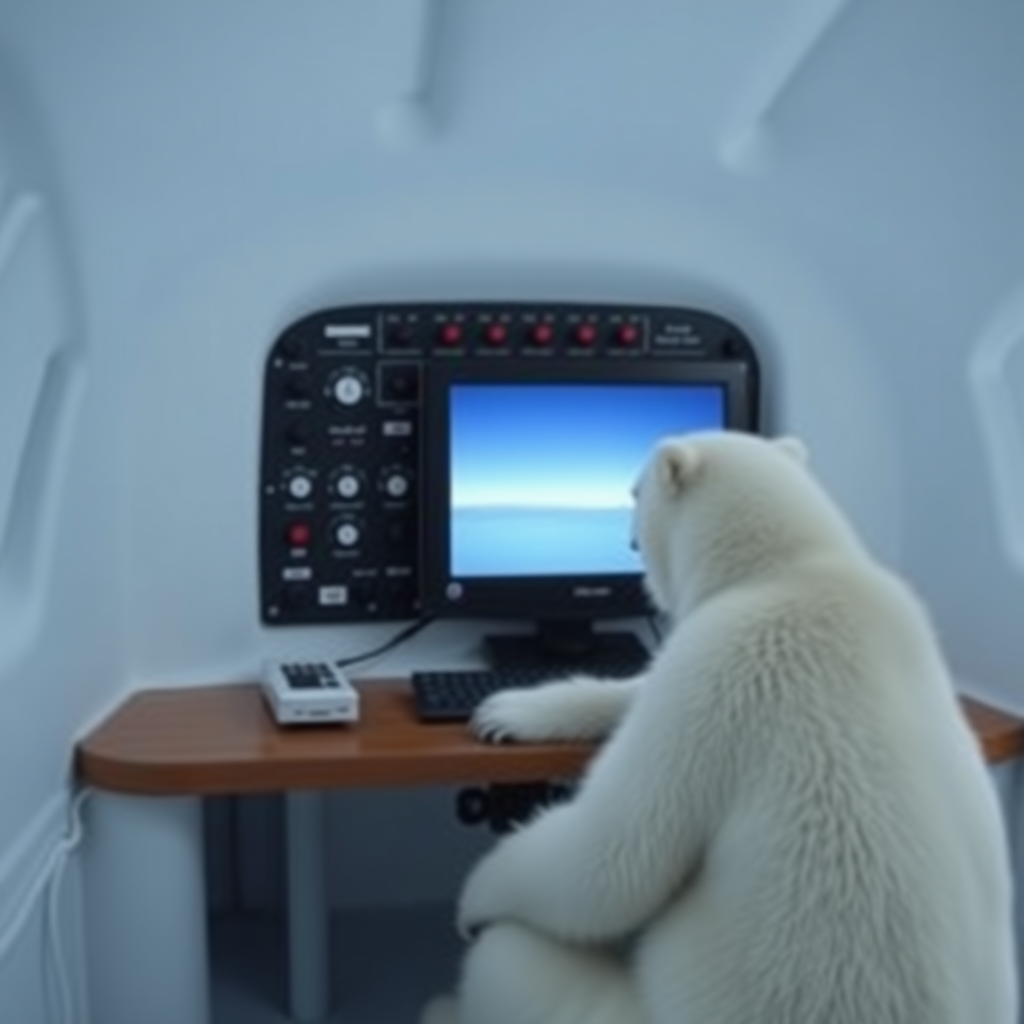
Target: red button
497, 334
586, 334
451, 334
629, 334
542, 334
299, 535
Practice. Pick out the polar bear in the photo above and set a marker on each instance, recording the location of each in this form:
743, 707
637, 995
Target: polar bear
790, 821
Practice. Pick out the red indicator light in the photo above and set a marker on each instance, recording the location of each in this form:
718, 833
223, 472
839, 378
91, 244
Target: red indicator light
542, 334
451, 334
629, 334
496, 334
299, 535
586, 334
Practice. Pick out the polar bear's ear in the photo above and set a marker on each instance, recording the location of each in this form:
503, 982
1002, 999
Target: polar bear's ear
793, 447
677, 463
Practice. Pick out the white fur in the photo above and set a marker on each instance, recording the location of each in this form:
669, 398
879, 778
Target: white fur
790, 822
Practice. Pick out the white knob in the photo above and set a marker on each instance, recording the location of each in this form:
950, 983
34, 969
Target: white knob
396, 485
347, 535
348, 390
348, 485
300, 487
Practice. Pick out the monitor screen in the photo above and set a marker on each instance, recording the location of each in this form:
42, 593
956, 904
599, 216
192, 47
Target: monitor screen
528, 471
540, 472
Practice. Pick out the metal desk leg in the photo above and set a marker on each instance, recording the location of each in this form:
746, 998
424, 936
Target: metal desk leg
145, 902
308, 906
1009, 781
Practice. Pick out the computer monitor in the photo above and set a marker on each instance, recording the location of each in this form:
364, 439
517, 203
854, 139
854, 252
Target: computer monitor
526, 498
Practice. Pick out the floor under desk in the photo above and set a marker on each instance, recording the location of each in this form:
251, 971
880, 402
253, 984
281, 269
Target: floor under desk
385, 963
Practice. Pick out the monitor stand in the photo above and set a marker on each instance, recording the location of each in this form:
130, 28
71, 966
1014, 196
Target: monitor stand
571, 645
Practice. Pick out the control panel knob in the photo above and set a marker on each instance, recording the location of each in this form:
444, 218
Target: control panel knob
398, 531
347, 486
297, 434
347, 535
297, 387
300, 487
400, 336
349, 389
396, 485
399, 382
395, 482
293, 346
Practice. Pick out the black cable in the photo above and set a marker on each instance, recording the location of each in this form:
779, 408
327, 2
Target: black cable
399, 638
652, 623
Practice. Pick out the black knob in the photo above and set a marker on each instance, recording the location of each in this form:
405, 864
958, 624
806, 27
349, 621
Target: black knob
403, 385
293, 346
298, 386
401, 336
397, 531
297, 434
472, 806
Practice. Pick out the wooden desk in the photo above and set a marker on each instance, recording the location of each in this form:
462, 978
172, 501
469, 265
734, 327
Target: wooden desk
183, 744
221, 740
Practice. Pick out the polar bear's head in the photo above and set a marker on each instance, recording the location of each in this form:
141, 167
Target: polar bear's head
713, 509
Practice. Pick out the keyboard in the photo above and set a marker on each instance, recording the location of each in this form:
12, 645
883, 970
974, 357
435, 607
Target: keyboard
452, 696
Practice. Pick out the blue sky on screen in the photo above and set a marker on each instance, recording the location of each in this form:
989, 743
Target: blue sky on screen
565, 446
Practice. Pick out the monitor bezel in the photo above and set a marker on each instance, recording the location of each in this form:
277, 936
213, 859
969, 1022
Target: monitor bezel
579, 596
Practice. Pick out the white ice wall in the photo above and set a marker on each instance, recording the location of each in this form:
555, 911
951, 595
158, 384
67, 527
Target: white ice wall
842, 177
61, 626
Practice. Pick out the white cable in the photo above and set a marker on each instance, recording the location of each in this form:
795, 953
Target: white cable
21, 916
53, 943
49, 875
74, 837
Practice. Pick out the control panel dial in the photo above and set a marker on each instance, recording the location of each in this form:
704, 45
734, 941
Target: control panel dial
347, 534
347, 484
349, 386
396, 482
297, 434
297, 388
300, 486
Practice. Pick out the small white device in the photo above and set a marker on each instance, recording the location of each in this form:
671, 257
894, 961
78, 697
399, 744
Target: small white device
309, 693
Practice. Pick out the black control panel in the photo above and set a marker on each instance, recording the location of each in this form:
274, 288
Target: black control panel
340, 460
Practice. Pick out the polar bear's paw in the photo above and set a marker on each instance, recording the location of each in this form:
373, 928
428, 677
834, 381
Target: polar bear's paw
513, 714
